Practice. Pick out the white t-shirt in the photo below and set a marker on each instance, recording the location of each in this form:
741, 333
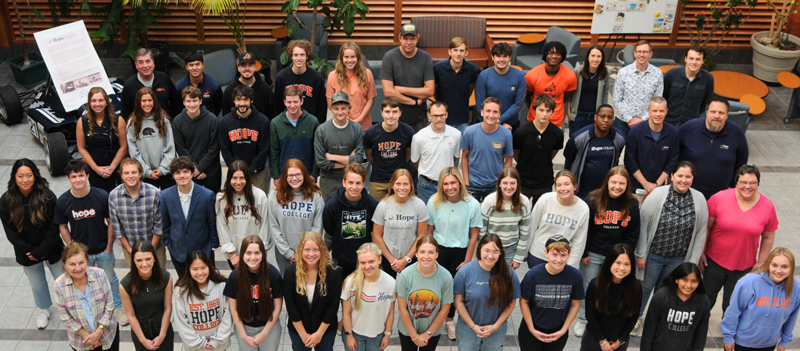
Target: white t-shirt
376, 301
310, 291
400, 223
435, 151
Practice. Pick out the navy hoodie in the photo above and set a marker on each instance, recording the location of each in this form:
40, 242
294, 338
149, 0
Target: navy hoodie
263, 99
349, 225
245, 139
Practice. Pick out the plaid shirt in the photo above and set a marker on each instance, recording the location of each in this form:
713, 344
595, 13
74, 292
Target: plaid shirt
135, 218
69, 307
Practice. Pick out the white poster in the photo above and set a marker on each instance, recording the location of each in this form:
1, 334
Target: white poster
73, 63
633, 16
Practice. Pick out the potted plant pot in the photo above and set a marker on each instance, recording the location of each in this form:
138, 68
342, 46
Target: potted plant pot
768, 62
29, 76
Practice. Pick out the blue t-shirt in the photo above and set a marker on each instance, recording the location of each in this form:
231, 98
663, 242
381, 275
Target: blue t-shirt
598, 162
388, 150
86, 217
452, 221
550, 296
486, 153
472, 282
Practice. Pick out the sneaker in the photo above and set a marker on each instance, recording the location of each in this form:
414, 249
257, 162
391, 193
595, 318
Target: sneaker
43, 320
637, 328
451, 329
122, 318
578, 329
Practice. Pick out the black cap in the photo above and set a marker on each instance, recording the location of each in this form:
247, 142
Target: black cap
246, 57
555, 239
408, 28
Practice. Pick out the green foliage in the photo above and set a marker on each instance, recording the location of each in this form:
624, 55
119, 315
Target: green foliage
723, 18
339, 14
144, 14
232, 12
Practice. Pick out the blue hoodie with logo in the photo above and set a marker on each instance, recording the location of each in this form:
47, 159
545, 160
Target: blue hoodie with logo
760, 315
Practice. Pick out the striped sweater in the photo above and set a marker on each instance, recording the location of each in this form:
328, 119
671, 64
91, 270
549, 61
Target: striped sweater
511, 227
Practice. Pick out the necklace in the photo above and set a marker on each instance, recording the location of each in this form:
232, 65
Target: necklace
592, 75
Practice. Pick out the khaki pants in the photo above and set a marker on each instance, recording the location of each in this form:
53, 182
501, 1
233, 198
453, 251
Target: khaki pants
378, 190
161, 252
262, 180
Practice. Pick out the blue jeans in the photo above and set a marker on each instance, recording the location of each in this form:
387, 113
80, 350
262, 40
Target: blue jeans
480, 192
38, 280
461, 127
469, 341
510, 251
425, 189
106, 262
589, 272
621, 127
364, 343
582, 119
326, 344
655, 270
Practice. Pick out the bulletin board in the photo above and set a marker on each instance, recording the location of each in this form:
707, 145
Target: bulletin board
634, 16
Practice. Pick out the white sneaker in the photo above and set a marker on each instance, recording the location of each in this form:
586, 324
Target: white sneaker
637, 328
578, 329
451, 329
122, 318
43, 320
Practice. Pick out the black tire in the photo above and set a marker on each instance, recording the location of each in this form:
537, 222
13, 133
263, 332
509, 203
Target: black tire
56, 153
10, 106
787, 120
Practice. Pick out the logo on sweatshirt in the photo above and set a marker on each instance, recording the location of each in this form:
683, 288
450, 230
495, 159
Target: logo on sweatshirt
390, 149
82, 214
243, 134
309, 91
724, 147
205, 315
354, 224
772, 302
680, 321
148, 132
611, 217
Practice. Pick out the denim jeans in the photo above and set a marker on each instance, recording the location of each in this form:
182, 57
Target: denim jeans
326, 344
38, 280
621, 127
364, 343
655, 270
270, 343
425, 189
106, 262
469, 341
510, 251
461, 127
589, 272
582, 119
480, 192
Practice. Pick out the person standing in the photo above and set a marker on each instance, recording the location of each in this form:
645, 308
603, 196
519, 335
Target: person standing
552, 78
27, 209
211, 91
150, 139
635, 85
688, 89
196, 136
504, 83
352, 77
407, 75
454, 83
485, 150
101, 137
592, 151
651, 149
507, 213
261, 98
433, 148
535, 146
337, 143
591, 91
169, 98
308, 80
291, 135
386, 145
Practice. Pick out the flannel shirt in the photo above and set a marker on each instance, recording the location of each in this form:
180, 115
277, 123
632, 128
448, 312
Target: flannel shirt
70, 309
135, 218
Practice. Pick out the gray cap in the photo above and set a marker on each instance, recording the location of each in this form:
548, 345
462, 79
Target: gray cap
340, 96
408, 28
555, 239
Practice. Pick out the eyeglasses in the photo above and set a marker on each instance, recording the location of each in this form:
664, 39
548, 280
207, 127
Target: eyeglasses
442, 116
640, 52
290, 176
744, 183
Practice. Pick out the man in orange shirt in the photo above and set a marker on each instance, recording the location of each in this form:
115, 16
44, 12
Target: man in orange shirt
551, 78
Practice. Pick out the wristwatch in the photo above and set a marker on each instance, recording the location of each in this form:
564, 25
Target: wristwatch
387, 333
429, 332
347, 333
408, 259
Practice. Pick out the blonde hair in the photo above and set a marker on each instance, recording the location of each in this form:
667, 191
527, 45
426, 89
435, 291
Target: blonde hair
440, 196
341, 70
396, 175
780, 251
322, 264
358, 277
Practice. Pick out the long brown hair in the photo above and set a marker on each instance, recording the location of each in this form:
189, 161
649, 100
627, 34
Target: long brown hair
516, 199
601, 70
91, 116
187, 284
500, 276
244, 287
322, 264
600, 197
341, 70
229, 193
780, 251
283, 191
631, 301
138, 113
137, 284
39, 196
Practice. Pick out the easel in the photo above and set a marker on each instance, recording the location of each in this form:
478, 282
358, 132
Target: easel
618, 37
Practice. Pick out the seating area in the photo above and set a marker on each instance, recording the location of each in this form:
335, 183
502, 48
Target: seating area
528, 56
438, 30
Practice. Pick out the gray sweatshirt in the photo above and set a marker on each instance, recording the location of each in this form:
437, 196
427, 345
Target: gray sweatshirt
152, 150
198, 322
241, 223
329, 138
288, 223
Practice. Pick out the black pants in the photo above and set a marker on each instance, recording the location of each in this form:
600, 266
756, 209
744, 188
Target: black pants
528, 342
590, 343
114, 344
386, 266
212, 182
407, 345
162, 182
738, 347
450, 258
182, 267
716, 277
535, 193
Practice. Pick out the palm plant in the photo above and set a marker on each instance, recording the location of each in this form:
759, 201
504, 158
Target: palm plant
144, 14
232, 13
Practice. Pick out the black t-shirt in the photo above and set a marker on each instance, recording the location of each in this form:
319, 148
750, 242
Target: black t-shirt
598, 162
86, 217
588, 101
535, 164
275, 286
388, 150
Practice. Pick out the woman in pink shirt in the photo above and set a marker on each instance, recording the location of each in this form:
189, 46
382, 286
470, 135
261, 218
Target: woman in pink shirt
741, 231
351, 76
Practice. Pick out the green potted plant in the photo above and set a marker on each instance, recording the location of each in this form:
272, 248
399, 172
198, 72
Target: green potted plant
775, 51
711, 29
28, 69
232, 13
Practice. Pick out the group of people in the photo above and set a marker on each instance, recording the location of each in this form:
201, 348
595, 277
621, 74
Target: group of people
430, 216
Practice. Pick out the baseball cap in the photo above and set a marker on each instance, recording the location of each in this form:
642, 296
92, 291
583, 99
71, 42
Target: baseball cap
246, 57
340, 96
409, 28
555, 239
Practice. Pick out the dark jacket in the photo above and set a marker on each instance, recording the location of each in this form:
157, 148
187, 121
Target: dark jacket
344, 246
323, 309
212, 92
575, 150
716, 156
676, 325
197, 231
686, 99
288, 142
198, 138
167, 95
610, 228
245, 139
44, 243
313, 85
644, 153
615, 326
263, 100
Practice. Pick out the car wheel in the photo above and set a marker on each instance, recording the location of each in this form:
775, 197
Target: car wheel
10, 106
56, 153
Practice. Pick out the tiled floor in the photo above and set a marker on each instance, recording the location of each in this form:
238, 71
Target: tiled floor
774, 147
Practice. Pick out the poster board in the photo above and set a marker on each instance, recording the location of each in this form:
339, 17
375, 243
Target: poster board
634, 16
73, 63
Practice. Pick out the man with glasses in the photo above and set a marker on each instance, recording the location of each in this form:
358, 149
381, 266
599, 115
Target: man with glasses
433, 148
652, 149
717, 148
592, 151
540, 140
635, 85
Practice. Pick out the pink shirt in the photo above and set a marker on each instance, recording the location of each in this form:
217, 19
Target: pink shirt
734, 239
358, 98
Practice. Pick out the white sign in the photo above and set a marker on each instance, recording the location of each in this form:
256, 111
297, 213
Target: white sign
634, 16
73, 63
